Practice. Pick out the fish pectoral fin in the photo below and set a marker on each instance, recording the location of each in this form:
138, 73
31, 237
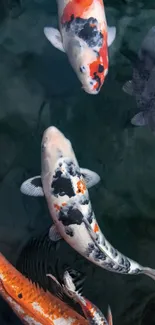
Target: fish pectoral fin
74, 280
139, 119
109, 316
91, 178
128, 88
53, 278
56, 286
54, 234
73, 283
32, 187
54, 37
111, 34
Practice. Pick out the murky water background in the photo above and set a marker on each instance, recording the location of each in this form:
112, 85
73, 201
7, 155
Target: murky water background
38, 88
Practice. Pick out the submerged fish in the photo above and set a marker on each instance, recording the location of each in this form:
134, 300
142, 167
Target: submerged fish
68, 201
32, 304
92, 313
142, 85
84, 37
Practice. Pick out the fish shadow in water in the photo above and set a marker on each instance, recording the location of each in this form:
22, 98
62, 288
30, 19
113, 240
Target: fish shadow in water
51, 70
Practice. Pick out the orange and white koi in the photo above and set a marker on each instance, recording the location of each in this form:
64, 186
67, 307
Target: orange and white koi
84, 36
32, 304
66, 193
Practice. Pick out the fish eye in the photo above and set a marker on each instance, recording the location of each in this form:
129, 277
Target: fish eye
100, 68
82, 69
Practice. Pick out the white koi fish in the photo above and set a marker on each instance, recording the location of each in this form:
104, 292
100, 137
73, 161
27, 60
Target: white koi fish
92, 313
65, 188
84, 37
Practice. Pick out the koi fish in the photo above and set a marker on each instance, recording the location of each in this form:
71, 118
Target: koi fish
84, 37
142, 85
92, 313
68, 201
32, 304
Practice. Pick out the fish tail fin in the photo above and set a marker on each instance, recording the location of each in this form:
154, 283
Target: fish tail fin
150, 272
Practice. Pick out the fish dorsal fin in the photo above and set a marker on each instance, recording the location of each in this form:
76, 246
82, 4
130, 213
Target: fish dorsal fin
54, 37
128, 88
54, 234
109, 316
91, 178
111, 34
33, 185
140, 119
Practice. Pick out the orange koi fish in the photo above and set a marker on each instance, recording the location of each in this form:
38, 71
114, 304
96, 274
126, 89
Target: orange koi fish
84, 36
32, 304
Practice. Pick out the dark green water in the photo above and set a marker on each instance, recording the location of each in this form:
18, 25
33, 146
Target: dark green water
37, 89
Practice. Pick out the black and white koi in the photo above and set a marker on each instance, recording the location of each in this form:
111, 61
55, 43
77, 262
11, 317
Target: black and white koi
64, 185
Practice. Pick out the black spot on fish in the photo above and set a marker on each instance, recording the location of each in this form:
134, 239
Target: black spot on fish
69, 232
127, 263
20, 296
97, 53
99, 255
98, 80
62, 185
89, 249
90, 217
136, 271
82, 69
86, 29
100, 68
57, 174
113, 251
36, 182
42, 147
73, 169
72, 216
84, 202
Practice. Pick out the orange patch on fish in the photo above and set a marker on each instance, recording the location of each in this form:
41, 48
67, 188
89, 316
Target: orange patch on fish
64, 204
76, 8
41, 306
81, 187
88, 305
96, 228
102, 60
89, 308
57, 207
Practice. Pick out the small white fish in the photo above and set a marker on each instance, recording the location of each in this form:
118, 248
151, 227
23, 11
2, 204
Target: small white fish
65, 190
92, 313
84, 37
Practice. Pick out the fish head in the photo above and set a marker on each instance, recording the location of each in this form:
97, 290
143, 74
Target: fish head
89, 64
53, 147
